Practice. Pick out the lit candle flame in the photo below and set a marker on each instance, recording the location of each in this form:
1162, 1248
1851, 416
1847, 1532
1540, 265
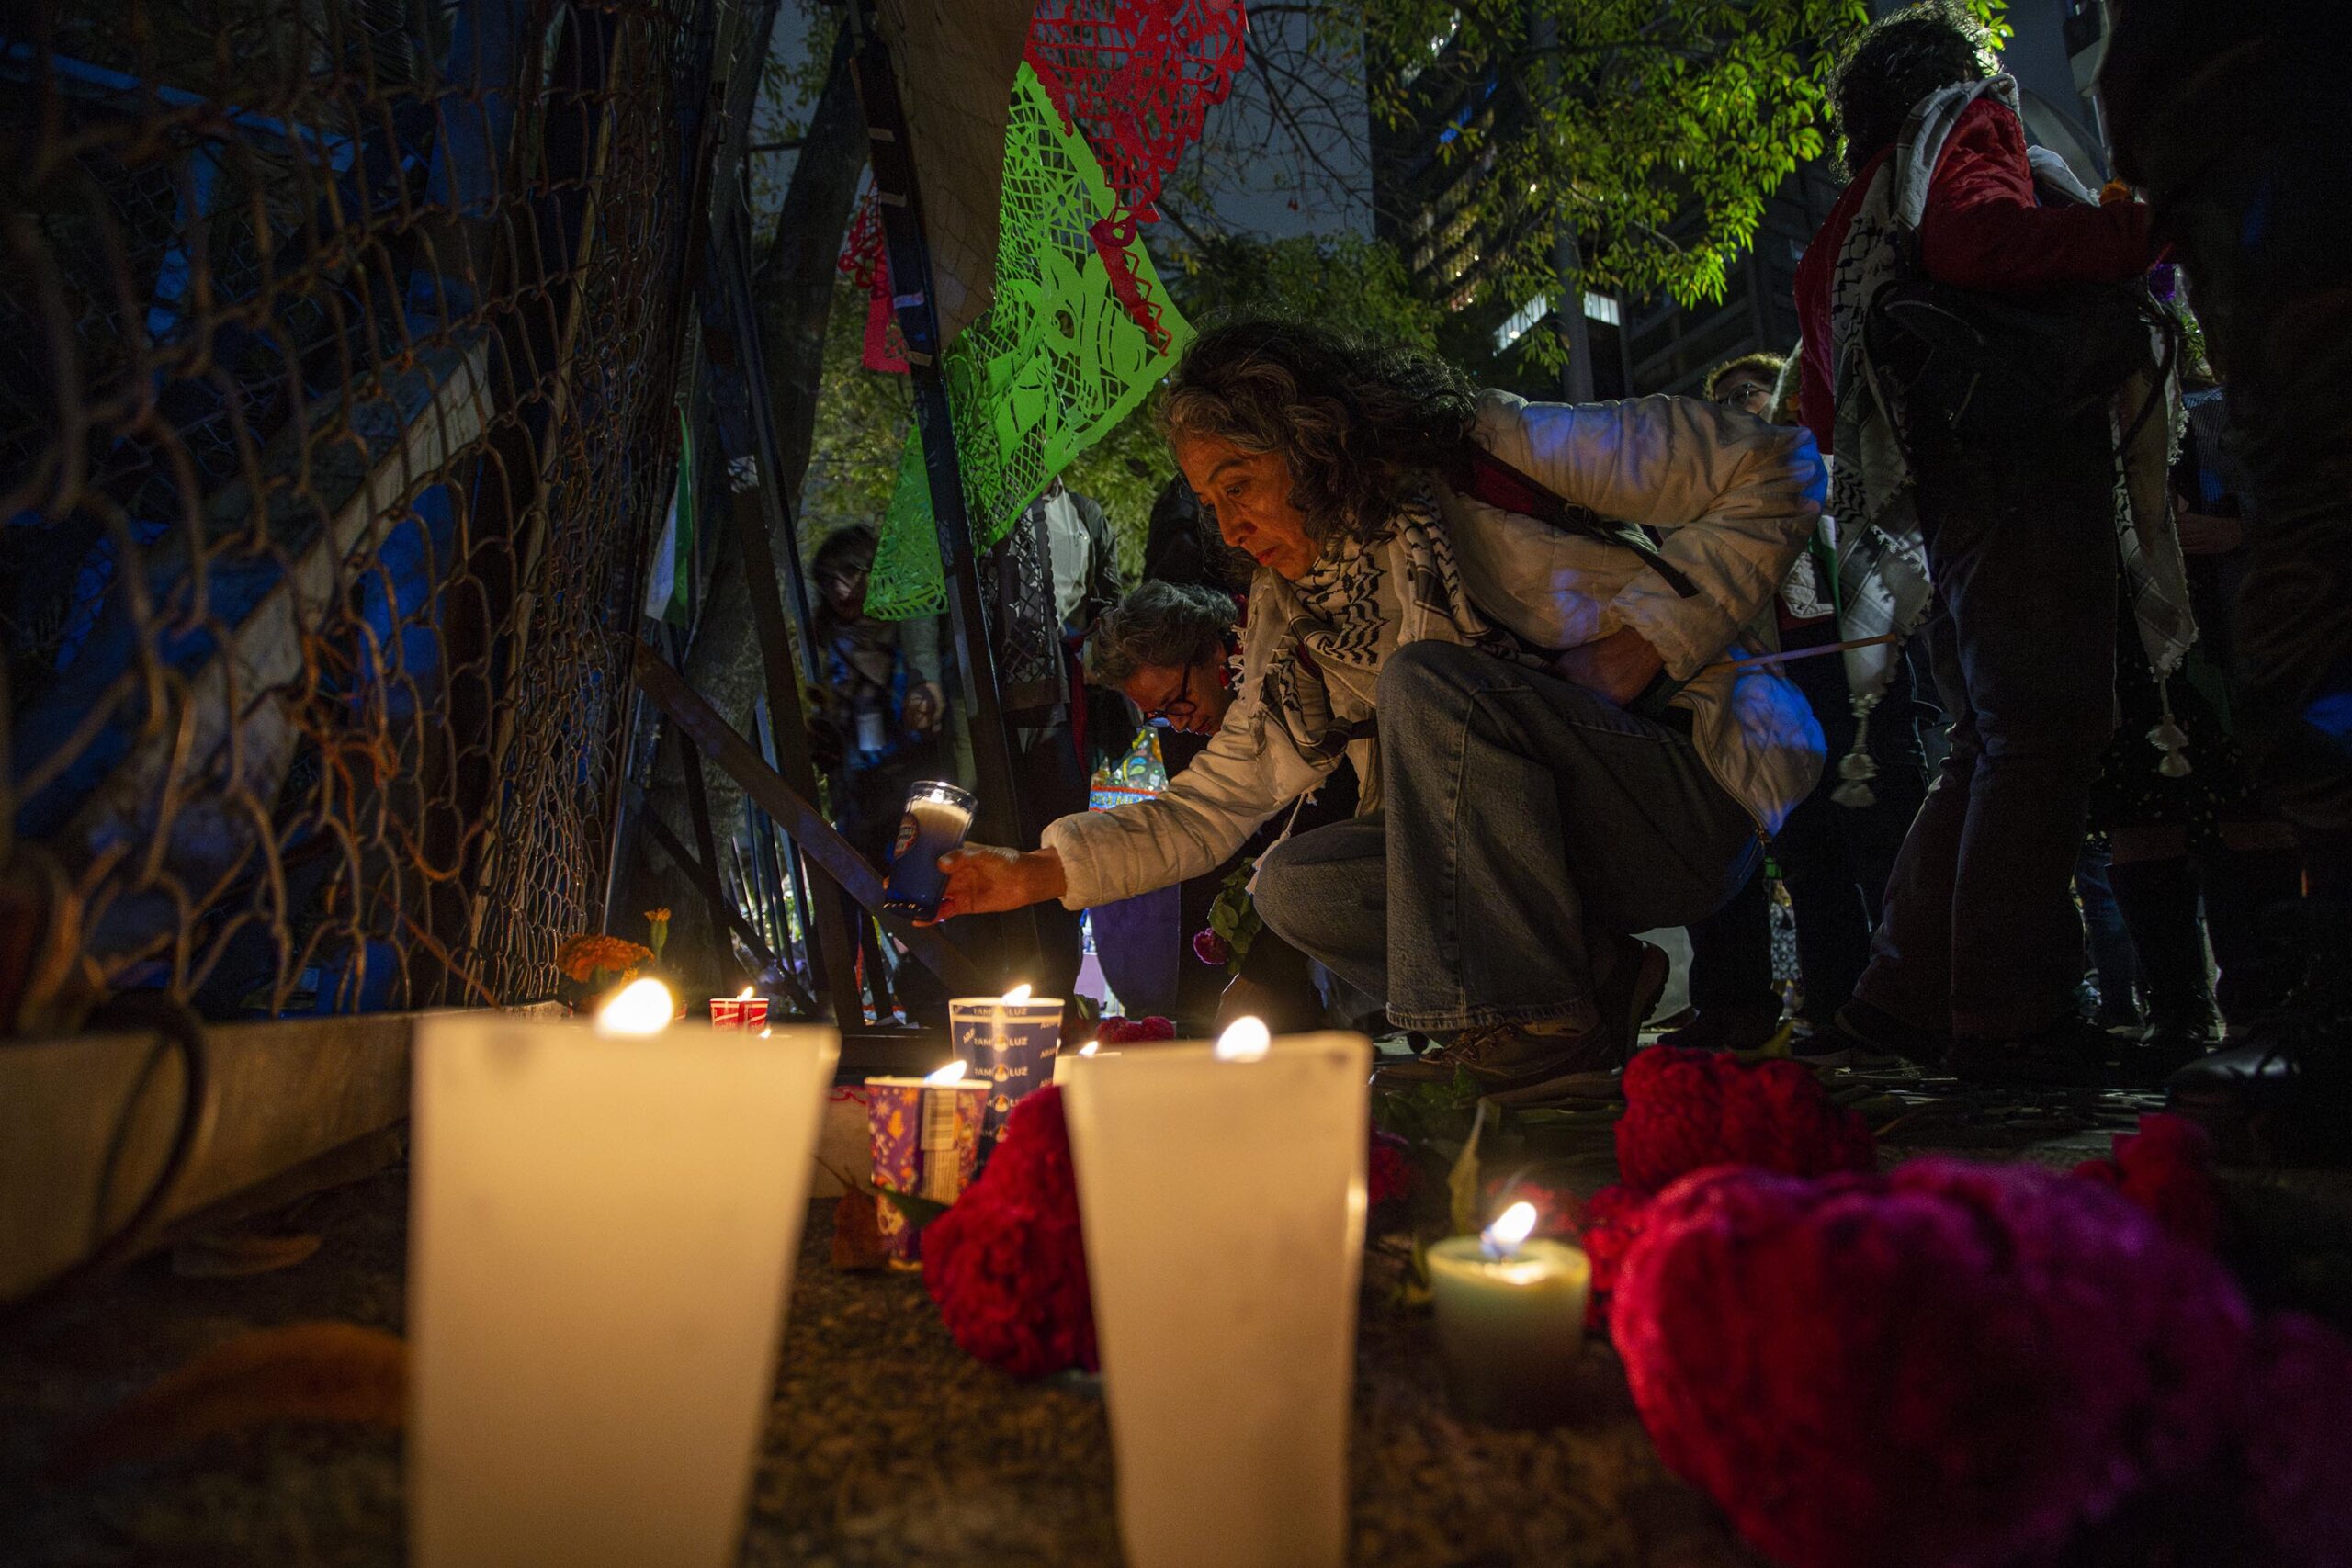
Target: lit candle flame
1514, 1225
642, 1006
951, 1073
1247, 1040
1090, 1048
744, 995
1015, 996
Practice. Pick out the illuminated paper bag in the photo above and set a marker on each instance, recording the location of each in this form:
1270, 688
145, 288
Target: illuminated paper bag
1224, 1211
600, 1245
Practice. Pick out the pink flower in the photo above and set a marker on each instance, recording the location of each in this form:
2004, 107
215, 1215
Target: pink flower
1952, 1363
1211, 948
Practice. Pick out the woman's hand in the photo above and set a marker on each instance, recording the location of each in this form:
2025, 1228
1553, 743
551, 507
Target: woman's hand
985, 880
925, 703
1619, 666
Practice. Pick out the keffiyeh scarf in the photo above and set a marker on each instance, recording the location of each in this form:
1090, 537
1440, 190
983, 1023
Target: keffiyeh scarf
1363, 601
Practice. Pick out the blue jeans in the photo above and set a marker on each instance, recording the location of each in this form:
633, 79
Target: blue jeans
1524, 824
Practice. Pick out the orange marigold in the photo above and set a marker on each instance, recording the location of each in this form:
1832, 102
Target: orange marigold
582, 955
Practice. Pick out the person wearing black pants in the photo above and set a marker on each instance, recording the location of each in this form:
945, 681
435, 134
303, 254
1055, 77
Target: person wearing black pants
2231, 118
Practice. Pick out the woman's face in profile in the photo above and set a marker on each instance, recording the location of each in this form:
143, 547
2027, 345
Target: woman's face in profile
1249, 493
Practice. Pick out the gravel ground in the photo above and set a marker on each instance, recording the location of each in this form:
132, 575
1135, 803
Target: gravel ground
887, 1445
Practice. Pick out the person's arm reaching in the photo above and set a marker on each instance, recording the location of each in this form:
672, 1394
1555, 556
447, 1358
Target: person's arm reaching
1248, 772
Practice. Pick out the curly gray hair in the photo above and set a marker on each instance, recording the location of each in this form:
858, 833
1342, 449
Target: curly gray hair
1359, 422
1167, 625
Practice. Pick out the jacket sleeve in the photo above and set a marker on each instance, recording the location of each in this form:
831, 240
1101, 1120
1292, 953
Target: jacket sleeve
1983, 229
1248, 772
1737, 498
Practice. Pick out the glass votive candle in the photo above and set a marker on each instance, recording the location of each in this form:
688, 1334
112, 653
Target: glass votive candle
1510, 1327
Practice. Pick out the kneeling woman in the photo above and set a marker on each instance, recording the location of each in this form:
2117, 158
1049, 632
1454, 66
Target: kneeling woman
1553, 753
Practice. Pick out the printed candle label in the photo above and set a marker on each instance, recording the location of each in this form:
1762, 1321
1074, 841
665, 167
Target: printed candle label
1008, 1046
926, 1143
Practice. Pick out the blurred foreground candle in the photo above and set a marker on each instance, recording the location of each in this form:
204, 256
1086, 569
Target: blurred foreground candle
1007, 1041
925, 1133
1065, 1061
1509, 1320
601, 1233
1223, 1200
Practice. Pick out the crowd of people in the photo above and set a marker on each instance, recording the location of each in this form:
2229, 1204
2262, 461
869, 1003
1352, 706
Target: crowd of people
2013, 595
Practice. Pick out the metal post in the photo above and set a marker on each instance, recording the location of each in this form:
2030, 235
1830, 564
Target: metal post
899, 203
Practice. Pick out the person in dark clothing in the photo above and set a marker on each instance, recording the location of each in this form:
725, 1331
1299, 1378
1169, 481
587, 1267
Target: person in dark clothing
1180, 545
1980, 946
2206, 837
2231, 118
882, 699
1834, 857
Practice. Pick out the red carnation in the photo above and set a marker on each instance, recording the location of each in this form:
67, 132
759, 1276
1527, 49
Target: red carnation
1963, 1363
1211, 948
1007, 1262
1117, 1031
2166, 1169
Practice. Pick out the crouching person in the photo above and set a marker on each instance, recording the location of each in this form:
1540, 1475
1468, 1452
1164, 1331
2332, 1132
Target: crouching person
1553, 750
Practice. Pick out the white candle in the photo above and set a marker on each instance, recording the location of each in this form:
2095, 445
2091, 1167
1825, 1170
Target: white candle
1223, 1202
1509, 1320
603, 1230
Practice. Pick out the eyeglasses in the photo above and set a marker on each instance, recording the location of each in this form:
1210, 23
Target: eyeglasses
1176, 709
1744, 392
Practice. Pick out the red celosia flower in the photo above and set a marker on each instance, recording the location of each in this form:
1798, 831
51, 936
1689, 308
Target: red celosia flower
2166, 1169
1390, 1172
1116, 1030
1007, 1262
1689, 1110
1965, 1363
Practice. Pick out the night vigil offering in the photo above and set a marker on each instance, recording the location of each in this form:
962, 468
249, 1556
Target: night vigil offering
602, 1225
1222, 1193
936, 819
1509, 1320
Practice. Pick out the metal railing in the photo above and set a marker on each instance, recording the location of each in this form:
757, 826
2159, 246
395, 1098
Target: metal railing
338, 362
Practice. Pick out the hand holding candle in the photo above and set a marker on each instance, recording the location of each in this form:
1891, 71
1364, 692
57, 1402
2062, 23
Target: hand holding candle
1509, 1320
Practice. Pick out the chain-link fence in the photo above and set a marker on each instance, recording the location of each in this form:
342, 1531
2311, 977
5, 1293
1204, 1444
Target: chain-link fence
337, 365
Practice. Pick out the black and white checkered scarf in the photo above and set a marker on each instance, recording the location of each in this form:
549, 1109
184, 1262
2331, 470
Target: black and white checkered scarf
1361, 602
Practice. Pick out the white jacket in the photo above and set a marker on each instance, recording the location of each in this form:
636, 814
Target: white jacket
1736, 499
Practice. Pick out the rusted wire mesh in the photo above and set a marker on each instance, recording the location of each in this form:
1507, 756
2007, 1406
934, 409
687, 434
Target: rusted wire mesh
337, 366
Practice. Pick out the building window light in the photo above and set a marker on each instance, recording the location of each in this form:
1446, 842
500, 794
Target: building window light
1601, 308
1522, 319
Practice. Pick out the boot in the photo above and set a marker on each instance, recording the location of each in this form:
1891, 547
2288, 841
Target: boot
2158, 899
2284, 1096
2258, 969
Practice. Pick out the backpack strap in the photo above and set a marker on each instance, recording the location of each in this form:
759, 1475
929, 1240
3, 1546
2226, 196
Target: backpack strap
1488, 478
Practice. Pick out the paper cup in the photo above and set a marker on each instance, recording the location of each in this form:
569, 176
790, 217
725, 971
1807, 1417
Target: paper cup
926, 1140
1010, 1047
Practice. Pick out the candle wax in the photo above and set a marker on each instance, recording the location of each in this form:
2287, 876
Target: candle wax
1509, 1328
